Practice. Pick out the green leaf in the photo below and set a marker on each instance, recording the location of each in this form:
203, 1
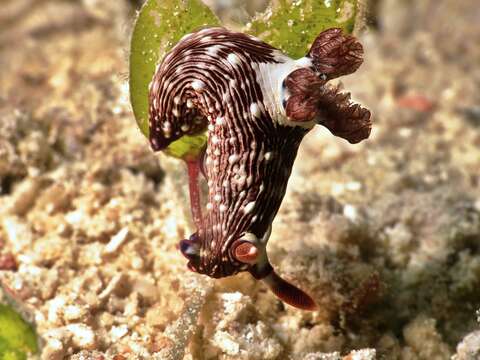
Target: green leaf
17, 338
159, 26
293, 25
187, 147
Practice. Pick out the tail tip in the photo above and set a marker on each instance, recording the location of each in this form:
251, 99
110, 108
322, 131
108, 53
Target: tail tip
289, 293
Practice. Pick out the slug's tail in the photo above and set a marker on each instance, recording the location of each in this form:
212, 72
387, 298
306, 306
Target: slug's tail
289, 293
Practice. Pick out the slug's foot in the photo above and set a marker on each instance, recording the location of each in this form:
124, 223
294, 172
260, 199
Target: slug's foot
194, 169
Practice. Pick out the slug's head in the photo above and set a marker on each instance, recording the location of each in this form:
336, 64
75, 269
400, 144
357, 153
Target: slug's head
312, 97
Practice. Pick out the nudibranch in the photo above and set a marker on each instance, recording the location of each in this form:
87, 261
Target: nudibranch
256, 104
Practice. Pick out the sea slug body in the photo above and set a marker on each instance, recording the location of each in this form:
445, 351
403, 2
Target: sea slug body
256, 104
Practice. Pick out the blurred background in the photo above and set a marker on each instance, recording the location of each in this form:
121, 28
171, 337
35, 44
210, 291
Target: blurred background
384, 234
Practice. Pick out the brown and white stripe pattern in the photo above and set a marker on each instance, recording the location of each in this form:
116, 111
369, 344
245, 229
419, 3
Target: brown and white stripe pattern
242, 92
210, 81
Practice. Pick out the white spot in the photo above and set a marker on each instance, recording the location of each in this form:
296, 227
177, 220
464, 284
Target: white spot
211, 127
156, 85
233, 59
217, 152
254, 109
251, 237
189, 104
167, 129
176, 100
209, 206
268, 156
254, 218
226, 183
222, 208
175, 113
220, 121
198, 85
240, 179
215, 139
232, 159
185, 127
249, 207
213, 50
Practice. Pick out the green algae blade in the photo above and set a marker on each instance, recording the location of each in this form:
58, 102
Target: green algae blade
292, 25
17, 338
159, 26
187, 147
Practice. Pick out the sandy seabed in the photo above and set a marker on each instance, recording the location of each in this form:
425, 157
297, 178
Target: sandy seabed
385, 235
